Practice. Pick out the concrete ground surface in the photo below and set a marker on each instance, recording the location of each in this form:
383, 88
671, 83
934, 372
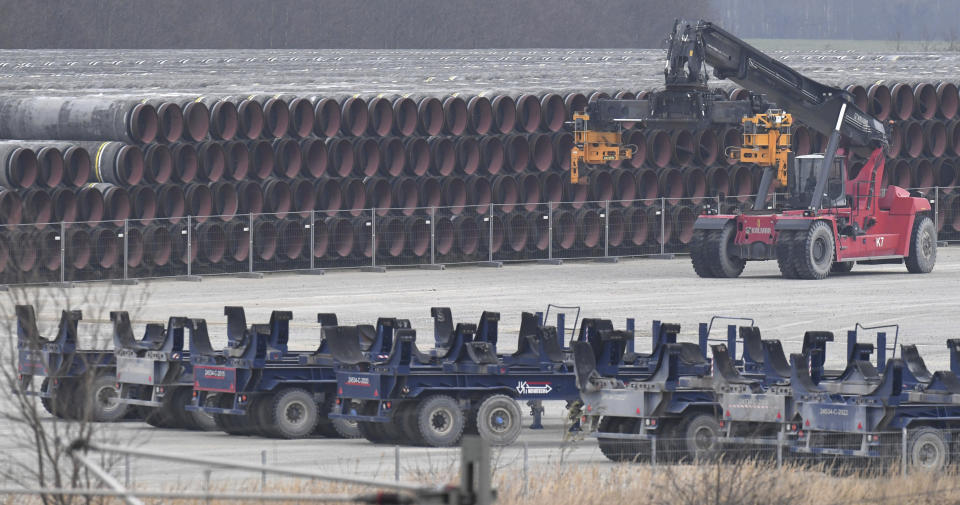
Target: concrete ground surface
925, 307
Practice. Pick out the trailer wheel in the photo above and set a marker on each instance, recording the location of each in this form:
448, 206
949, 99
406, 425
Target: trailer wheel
617, 449
202, 420
335, 428
66, 401
173, 403
698, 254
294, 413
701, 434
48, 401
499, 420
100, 400
923, 246
719, 252
440, 421
814, 252
406, 415
155, 416
927, 449
232, 424
372, 431
841, 267
786, 243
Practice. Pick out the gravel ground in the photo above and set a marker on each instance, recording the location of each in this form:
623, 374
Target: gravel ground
923, 305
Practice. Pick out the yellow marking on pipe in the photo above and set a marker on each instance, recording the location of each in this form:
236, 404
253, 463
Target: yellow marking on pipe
97, 163
198, 99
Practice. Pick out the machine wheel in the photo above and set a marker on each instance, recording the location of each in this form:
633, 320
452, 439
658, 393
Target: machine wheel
406, 415
841, 267
814, 252
440, 421
923, 246
232, 424
698, 254
701, 433
154, 416
294, 413
499, 420
719, 252
621, 450
927, 449
786, 243
174, 402
372, 431
100, 400
46, 402
335, 428
202, 420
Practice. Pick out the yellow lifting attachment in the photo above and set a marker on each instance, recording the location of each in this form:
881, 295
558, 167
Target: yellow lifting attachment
594, 147
766, 142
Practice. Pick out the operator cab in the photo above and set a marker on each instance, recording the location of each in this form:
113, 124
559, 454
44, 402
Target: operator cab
802, 181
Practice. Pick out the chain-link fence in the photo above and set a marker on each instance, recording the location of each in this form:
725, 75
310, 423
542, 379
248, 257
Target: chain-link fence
378, 237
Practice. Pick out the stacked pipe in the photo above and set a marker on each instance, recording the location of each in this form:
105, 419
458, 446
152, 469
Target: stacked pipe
350, 176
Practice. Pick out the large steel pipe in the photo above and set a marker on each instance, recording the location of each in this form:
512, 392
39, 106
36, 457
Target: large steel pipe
340, 155
468, 235
538, 230
455, 115
625, 187
117, 163
903, 103
921, 176
504, 113
601, 186
945, 174
506, 193
366, 157
661, 229
480, 113
541, 151
196, 120
301, 116
492, 154
354, 196
468, 155
925, 101
671, 185
695, 185
211, 242
416, 231
553, 113
898, 173
517, 149
378, 195
741, 182
292, 237
589, 228
683, 148
264, 239
287, 158
881, 102
277, 198
212, 161
226, 201
616, 231
157, 164
143, 202
224, 117
718, 181
64, 202
575, 195
49, 253
237, 233
529, 185
116, 203
76, 248
948, 100
430, 116
89, 205
340, 231
238, 161
326, 116
199, 201
321, 237
134, 247
406, 194
529, 113
49, 166
276, 116
157, 245
443, 156
354, 116
860, 98
682, 218
444, 236
492, 234
418, 156
25, 246
75, 162
912, 139
391, 236
37, 207
262, 159
574, 102
516, 232
637, 226
107, 247
169, 120
454, 194
953, 137
249, 198
314, 158
431, 191
707, 147
404, 116
648, 186
562, 143
18, 166
479, 194
89, 118
802, 140
380, 114
634, 138
304, 194
659, 148
551, 188
393, 156
564, 230
895, 141
935, 138
250, 115
186, 163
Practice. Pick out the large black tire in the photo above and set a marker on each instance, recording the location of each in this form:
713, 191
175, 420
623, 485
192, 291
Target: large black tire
617, 449
923, 246
174, 402
155, 416
372, 431
324, 423
701, 432
719, 252
406, 415
814, 251
48, 401
499, 420
786, 242
294, 414
232, 424
67, 401
203, 420
841, 267
100, 400
927, 449
698, 254
440, 421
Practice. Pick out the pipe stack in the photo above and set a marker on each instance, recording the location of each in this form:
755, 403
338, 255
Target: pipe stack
476, 172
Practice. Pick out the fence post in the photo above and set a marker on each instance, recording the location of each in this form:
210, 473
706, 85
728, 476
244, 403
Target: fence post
190, 246
396, 463
433, 235
525, 469
250, 244
653, 450
903, 452
780, 448
718, 204
373, 237
263, 474
663, 225
490, 234
126, 248
313, 237
936, 207
550, 231
606, 228
63, 252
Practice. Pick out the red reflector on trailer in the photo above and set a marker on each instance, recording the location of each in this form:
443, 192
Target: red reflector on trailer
589, 408
340, 391
859, 426
376, 393
807, 422
728, 414
778, 415
638, 410
388, 405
